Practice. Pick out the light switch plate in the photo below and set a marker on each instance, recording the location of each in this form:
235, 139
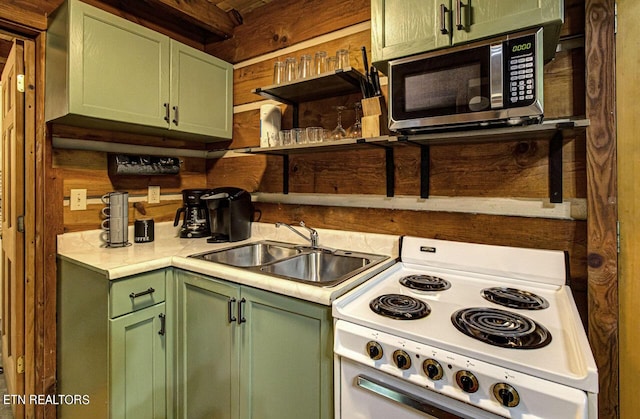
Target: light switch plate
78, 199
153, 195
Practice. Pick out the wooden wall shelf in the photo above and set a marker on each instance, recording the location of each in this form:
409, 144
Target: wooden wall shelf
552, 131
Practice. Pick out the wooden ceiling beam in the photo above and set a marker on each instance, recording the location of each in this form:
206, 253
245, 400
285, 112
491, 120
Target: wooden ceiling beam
201, 13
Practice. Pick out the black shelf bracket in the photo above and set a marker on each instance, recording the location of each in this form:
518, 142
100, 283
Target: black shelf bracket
555, 167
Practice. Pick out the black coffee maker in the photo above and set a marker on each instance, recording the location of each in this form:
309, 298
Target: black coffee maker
196, 214
230, 214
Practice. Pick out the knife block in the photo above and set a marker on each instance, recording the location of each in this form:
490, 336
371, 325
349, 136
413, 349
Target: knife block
374, 121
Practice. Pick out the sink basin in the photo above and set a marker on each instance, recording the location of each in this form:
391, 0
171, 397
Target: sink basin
252, 254
320, 267
316, 266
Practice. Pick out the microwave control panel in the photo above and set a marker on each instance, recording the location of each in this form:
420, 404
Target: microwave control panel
520, 71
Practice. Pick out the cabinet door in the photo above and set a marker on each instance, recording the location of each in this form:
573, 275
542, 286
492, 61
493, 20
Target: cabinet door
405, 27
138, 364
201, 92
287, 358
118, 70
484, 18
207, 350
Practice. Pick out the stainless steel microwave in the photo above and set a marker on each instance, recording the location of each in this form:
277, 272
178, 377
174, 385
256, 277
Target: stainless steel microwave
491, 82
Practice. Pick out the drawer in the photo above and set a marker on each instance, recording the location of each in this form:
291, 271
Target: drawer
136, 292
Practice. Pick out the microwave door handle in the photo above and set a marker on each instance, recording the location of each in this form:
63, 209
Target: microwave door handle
496, 69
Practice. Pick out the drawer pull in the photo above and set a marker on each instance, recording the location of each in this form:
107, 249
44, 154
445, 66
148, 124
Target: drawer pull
163, 321
241, 318
140, 294
166, 112
230, 315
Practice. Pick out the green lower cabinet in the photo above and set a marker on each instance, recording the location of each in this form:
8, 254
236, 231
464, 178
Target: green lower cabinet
247, 353
207, 356
114, 343
138, 364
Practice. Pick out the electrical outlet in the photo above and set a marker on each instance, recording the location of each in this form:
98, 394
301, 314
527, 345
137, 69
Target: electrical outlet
78, 199
153, 195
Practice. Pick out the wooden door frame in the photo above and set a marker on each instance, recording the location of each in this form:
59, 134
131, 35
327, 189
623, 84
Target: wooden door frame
41, 344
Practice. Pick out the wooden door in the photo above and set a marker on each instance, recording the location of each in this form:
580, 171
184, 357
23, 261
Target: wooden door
13, 210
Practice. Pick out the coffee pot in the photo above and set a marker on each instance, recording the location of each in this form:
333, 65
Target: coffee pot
196, 215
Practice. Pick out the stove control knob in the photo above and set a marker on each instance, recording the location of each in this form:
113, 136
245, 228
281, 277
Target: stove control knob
402, 359
433, 369
506, 394
467, 381
374, 350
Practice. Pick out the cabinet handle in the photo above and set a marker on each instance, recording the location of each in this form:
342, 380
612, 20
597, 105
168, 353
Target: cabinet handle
459, 15
140, 294
175, 115
443, 22
163, 322
231, 317
241, 318
166, 112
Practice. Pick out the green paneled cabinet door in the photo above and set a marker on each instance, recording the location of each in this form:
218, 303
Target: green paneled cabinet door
207, 348
286, 362
476, 19
138, 364
247, 353
201, 92
405, 27
104, 71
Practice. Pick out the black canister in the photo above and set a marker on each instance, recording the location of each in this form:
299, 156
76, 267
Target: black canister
143, 230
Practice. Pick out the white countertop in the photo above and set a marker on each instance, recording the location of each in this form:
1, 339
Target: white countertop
87, 249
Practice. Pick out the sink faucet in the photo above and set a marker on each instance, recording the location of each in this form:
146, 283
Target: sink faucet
313, 234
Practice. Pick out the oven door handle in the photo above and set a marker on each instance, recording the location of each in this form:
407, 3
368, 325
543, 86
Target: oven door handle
402, 397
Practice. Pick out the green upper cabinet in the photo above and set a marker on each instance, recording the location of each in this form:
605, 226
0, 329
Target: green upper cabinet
201, 92
106, 72
476, 19
405, 27
247, 353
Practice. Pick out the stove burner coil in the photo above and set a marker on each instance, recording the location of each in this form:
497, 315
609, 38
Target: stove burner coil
425, 283
399, 307
514, 298
501, 328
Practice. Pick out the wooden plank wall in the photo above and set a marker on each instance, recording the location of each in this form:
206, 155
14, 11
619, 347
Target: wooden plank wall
497, 170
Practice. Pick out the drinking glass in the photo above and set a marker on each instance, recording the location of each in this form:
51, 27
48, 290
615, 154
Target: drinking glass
298, 136
338, 132
290, 69
320, 62
342, 58
355, 130
278, 72
304, 66
332, 62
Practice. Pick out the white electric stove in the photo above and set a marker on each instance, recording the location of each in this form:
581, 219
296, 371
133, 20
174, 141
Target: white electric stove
464, 330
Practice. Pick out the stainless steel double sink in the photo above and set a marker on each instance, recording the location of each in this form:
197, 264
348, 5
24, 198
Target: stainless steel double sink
313, 265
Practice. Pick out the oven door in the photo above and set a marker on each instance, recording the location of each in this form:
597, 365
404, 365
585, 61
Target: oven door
366, 393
